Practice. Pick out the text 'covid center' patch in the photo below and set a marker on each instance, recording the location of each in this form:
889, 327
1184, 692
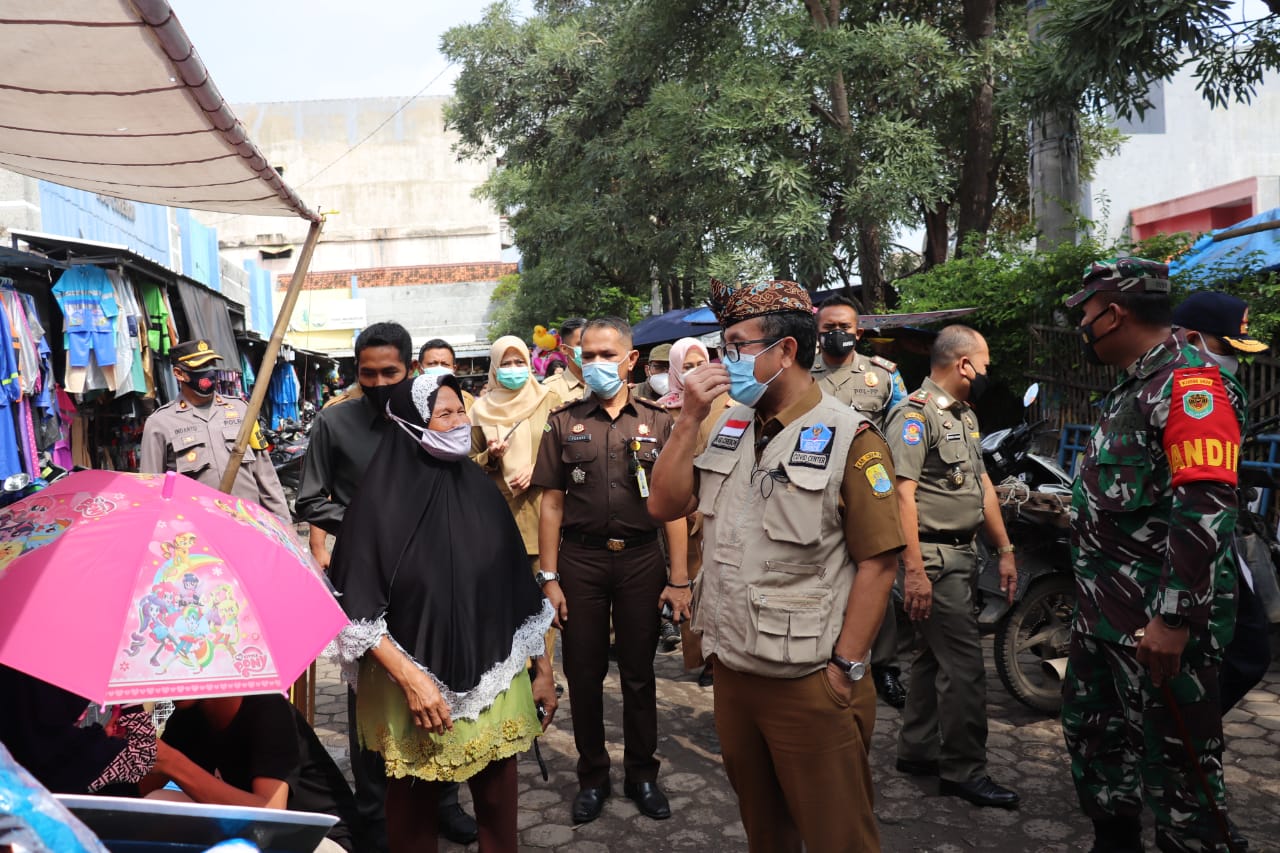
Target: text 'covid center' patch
1202, 438
813, 447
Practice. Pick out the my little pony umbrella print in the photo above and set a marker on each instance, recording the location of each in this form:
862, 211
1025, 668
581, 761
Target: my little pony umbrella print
126, 588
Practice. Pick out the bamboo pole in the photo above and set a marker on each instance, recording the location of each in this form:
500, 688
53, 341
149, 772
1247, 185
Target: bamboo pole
269, 357
1248, 229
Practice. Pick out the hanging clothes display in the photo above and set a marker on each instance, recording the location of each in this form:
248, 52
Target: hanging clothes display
88, 304
10, 393
283, 394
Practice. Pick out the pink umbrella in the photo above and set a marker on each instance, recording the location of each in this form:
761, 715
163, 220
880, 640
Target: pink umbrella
137, 587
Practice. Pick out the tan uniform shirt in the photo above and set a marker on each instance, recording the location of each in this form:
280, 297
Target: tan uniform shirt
589, 457
866, 384
566, 386
196, 441
937, 443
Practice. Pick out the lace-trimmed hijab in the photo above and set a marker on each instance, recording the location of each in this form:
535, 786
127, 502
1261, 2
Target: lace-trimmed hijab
430, 555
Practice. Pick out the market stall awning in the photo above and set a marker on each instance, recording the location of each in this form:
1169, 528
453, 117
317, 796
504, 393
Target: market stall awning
109, 96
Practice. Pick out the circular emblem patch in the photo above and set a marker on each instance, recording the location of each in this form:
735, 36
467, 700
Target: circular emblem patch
1198, 404
578, 429
912, 433
872, 380
878, 477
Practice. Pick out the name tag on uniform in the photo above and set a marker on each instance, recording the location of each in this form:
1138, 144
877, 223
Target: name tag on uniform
954, 436
580, 437
730, 435
813, 448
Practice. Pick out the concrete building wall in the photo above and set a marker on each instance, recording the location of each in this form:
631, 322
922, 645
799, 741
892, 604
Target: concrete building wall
19, 202
1183, 147
400, 198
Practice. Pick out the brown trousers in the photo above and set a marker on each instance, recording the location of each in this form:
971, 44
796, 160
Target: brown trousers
598, 584
797, 757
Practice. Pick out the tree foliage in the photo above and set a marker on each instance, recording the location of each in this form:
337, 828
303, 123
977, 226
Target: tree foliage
659, 141
1107, 54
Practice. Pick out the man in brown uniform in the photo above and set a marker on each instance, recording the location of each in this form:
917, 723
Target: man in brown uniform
568, 384
945, 495
600, 557
873, 386
801, 540
195, 435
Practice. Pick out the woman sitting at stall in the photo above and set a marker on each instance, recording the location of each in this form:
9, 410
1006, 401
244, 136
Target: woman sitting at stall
435, 578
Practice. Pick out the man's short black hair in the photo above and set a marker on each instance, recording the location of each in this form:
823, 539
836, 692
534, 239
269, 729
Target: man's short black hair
1148, 309
839, 300
571, 325
436, 343
386, 335
619, 325
801, 325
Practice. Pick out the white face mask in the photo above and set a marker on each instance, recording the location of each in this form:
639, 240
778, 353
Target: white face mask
660, 383
448, 446
1227, 363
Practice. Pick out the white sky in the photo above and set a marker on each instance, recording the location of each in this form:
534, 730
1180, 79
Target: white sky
290, 50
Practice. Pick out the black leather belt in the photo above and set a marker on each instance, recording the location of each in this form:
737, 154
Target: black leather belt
956, 539
611, 544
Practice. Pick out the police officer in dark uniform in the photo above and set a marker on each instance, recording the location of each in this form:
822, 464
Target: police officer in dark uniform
195, 435
601, 558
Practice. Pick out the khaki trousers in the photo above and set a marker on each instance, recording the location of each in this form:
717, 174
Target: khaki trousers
945, 718
797, 757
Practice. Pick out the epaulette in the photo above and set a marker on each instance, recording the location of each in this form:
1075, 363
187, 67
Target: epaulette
884, 363
564, 407
653, 404
920, 398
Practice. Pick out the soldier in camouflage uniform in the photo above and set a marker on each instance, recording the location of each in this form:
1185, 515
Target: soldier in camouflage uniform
873, 386
1152, 515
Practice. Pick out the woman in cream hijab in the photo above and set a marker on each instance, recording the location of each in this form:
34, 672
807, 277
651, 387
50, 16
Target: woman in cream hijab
508, 422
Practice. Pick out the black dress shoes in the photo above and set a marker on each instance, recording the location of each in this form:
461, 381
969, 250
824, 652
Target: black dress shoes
917, 767
589, 803
889, 687
980, 792
458, 826
649, 799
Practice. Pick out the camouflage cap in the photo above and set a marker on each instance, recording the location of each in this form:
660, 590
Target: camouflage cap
1122, 275
734, 302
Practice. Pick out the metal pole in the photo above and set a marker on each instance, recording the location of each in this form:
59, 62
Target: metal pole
269, 357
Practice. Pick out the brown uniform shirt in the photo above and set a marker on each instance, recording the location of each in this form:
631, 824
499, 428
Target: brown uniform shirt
871, 523
588, 456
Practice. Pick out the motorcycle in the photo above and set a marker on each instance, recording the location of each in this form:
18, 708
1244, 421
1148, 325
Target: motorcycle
1031, 635
287, 446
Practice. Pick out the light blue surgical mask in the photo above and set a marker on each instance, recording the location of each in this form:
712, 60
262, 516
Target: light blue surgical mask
602, 378
577, 356
513, 377
437, 370
743, 385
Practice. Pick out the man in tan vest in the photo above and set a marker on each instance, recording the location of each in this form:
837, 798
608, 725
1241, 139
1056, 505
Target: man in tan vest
796, 492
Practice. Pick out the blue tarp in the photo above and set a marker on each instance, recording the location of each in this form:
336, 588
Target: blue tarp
671, 326
1211, 262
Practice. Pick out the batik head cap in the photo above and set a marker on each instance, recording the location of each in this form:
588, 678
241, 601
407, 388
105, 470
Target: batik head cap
1122, 275
736, 301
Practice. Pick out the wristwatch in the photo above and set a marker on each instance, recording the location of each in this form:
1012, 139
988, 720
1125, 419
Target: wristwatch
1172, 606
544, 578
1005, 549
853, 670
1174, 621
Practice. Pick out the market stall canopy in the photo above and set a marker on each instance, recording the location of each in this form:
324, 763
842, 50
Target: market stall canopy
1227, 254
109, 96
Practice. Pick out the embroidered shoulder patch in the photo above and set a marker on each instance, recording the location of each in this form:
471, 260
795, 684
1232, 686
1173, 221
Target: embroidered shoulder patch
1202, 437
912, 431
878, 477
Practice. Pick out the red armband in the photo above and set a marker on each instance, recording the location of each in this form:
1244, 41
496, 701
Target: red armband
1202, 438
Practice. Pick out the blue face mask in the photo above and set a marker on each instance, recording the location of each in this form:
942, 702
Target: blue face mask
602, 378
577, 356
437, 370
513, 377
743, 385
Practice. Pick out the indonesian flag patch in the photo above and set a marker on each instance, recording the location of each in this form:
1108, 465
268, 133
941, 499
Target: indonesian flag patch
1202, 438
730, 434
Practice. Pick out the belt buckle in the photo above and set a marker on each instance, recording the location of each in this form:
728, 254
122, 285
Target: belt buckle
615, 544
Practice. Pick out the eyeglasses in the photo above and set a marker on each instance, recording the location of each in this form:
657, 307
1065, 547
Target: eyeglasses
732, 350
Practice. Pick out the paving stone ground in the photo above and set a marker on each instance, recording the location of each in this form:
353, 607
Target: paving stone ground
1025, 749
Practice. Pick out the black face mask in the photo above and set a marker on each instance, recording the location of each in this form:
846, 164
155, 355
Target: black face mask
203, 382
838, 343
378, 395
1088, 341
978, 386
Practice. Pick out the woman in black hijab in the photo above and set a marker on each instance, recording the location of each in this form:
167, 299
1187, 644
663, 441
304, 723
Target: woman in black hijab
444, 613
